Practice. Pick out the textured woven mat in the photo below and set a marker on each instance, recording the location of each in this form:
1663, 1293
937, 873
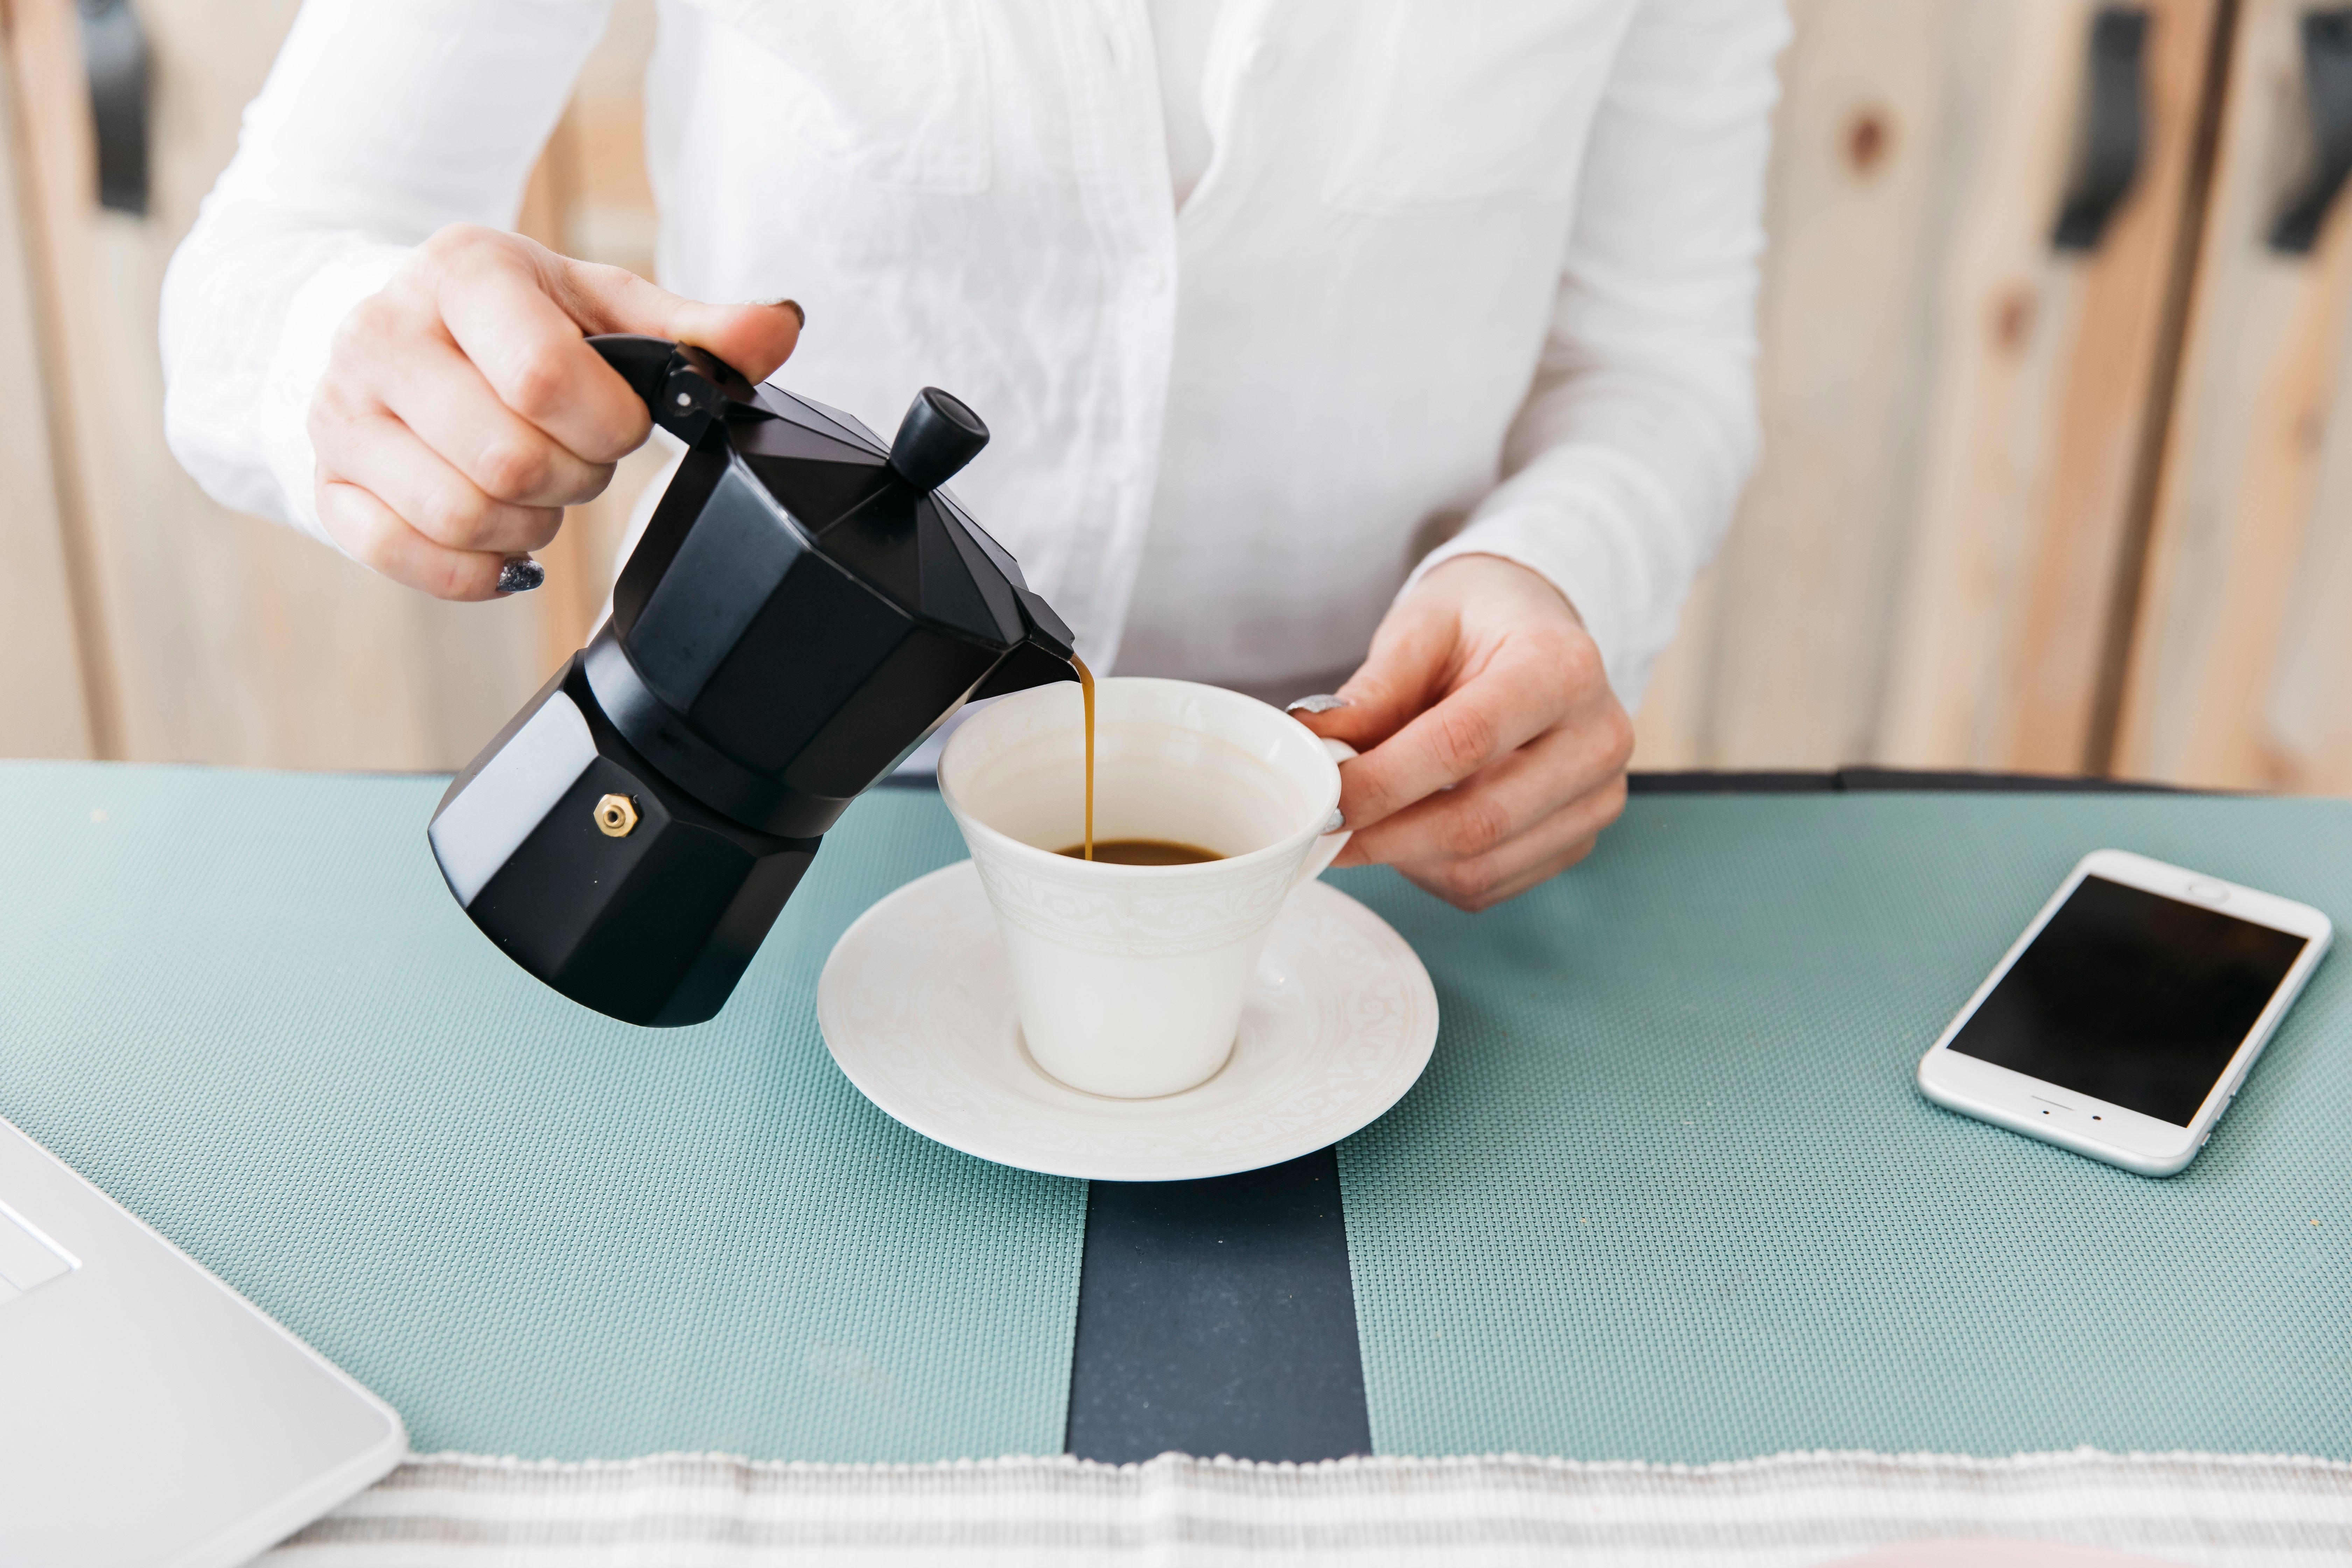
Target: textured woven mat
1668, 1191
243, 1005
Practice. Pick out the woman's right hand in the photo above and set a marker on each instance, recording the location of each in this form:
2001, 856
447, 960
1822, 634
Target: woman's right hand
462, 410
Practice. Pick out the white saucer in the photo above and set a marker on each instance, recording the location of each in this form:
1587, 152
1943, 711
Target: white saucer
916, 1007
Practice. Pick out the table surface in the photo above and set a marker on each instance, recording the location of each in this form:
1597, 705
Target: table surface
1219, 1317
245, 1005
1212, 1317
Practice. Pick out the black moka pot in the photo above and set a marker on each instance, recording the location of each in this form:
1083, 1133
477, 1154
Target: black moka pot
807, 607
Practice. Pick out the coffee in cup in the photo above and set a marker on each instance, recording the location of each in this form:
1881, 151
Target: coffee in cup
1141, 852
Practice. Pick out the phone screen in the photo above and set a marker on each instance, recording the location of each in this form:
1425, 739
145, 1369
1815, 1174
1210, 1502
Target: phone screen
2132, 997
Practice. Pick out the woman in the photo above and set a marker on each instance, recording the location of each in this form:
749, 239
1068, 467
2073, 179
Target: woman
1276, 310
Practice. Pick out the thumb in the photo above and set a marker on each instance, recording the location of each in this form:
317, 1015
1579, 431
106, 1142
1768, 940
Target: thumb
754, 340
1400, 676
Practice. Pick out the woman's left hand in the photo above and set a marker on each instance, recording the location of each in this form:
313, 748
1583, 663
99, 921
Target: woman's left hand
1494, 750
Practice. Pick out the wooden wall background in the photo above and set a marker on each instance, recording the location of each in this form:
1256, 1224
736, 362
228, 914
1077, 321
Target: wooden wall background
138, 620
2022, 507
2242, 661
1924, 570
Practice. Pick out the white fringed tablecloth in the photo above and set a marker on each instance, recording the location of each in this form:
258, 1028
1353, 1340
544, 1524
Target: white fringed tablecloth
451, 1510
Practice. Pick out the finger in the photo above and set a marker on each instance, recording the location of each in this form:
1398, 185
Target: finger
441, 396
384, 458
1495, 806
1497, 710
492, 298
374, 535
752, 339
1542, 852
1405, 671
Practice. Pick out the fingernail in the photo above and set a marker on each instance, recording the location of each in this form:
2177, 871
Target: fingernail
1321, 702
521, 575
793, 305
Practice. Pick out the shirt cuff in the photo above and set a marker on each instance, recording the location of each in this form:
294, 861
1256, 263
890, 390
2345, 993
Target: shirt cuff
1579, 561
305, 339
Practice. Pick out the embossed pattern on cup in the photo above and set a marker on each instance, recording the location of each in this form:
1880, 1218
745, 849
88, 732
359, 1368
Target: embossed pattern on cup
1096, 911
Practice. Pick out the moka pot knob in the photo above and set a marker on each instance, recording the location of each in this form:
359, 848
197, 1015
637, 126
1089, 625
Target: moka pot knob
936, 439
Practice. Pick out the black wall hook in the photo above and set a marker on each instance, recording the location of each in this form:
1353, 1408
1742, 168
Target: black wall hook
2113, 133
2327, 91
114, 47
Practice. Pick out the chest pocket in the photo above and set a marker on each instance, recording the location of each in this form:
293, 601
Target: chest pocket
1461, 102
895, 91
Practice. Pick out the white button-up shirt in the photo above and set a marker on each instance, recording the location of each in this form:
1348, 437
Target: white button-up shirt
1460, 275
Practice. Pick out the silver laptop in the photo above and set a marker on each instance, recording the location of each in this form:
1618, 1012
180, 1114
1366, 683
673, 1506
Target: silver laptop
149, 1415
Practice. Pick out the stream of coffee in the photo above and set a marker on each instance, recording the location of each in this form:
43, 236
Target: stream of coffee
1087, 695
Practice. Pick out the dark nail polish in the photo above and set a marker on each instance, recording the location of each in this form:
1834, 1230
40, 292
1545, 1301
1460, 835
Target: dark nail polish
521, 575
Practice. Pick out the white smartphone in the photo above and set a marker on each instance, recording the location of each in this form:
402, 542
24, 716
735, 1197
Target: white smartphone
2122, 1023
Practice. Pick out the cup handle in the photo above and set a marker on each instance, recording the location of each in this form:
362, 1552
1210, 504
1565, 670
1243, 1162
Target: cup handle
1327, 849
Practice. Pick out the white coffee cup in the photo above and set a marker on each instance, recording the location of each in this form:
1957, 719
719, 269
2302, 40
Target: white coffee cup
1129, 980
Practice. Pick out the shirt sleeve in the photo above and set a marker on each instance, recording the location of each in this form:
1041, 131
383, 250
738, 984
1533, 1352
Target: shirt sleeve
380, 123
1623, 466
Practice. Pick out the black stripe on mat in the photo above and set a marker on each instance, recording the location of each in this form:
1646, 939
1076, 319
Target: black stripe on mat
1217, 1317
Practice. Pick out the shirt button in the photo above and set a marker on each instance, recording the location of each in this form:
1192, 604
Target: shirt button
1260, 58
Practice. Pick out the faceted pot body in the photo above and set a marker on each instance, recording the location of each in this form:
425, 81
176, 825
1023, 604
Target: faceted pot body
600, 877
756, 669
807, 606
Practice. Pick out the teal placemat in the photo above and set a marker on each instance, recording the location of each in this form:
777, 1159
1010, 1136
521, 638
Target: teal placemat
245, 1005
1667, 1192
